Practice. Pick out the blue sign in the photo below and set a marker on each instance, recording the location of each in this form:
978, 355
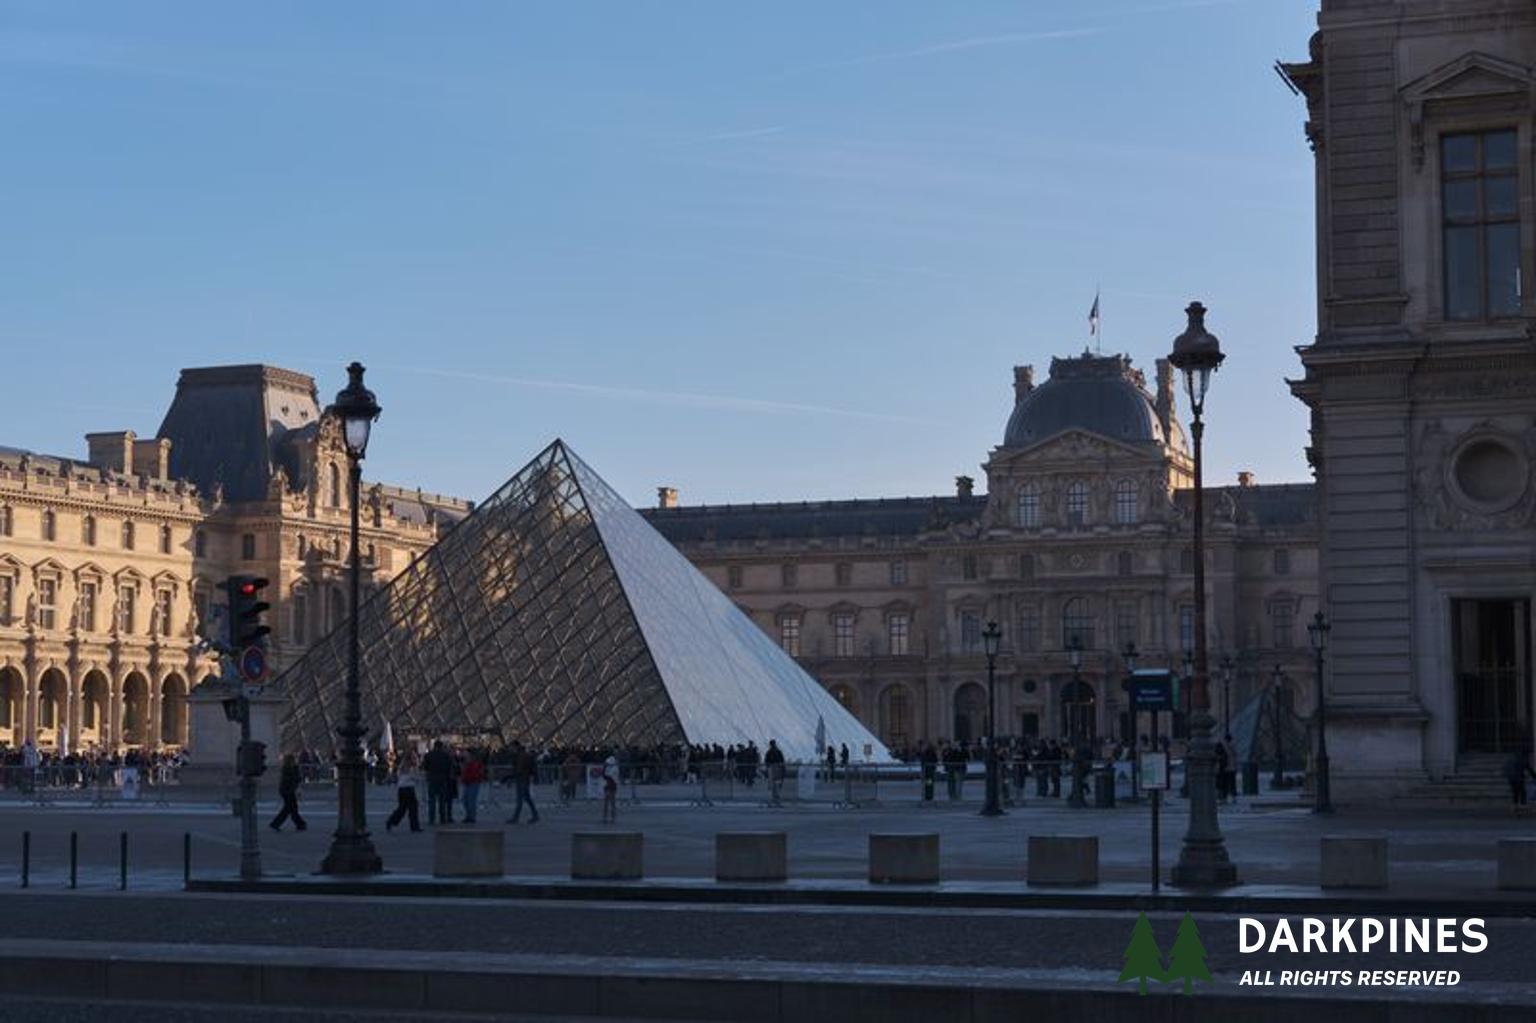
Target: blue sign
1152, 692
253, 664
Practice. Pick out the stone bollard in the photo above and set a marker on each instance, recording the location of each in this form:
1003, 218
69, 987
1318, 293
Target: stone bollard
904, 859
467, 852
1517, 864
607, 855
1063, 859
1354, 862
751, 856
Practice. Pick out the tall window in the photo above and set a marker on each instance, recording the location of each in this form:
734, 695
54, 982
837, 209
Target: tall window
844, 573
335, 486
1480, 212
842, 635
968, 566
1077, 503
47, 603
898, 573
48, 530
1127, 624
163, 611
165, 539
970, 632
789, 634
1028, 639
1282, 561
1186, 627
1282, 618
1127, 511
127, 536
790, 574
1077, 620
1026, 566
7, 598
5, 520
127, 599
1027, 511
88, 606
247, 546
899, 629
88, 531
733, 577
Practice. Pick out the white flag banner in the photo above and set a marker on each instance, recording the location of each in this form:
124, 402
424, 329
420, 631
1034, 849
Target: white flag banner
1093, 317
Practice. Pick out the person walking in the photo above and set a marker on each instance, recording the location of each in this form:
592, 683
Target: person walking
773, 760
1517, 766
930, 759
611, 790
472, 777
438, 767
831, 764
288, 790
523, 767
407, 781
571, 772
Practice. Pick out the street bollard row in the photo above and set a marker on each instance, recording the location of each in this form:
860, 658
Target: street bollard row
122, 859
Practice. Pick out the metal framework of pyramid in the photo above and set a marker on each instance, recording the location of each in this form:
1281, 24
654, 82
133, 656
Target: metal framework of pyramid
557, 616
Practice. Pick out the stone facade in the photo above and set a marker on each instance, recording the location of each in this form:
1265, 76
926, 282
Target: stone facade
108, 564
1422, 381
1084, 530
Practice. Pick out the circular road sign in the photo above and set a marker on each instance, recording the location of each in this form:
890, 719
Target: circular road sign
253, 664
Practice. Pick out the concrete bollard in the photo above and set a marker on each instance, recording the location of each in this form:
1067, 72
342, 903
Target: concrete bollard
1517, 864
607, 856
1063, 859
904, 859
468, 852
751, 856
1354, 862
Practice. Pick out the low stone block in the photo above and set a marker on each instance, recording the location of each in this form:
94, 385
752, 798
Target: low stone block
1063, 859
1517, 864
751, 856
904, 859
1354, 862
607, 856
467, 852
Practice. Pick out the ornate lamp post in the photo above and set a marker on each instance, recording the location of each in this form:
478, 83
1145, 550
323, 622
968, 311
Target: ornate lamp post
991, 638
352, 850
1079, 752
1129, 656
1203, 861
1227, 668
1317, 631
1275, 692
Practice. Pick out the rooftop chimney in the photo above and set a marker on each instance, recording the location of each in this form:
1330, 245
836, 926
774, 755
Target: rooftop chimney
1023, 382
666, 497
1246, 479
964, 486
152, 458
112, 450
1165, 403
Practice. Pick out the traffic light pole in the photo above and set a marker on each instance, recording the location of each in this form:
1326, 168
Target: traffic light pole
250, 850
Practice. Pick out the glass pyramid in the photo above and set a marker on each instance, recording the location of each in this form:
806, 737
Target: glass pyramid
556, 615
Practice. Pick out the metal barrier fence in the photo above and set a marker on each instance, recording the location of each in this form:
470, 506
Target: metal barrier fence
100, 783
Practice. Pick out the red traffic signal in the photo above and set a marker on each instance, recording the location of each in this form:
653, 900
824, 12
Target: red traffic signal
245, 611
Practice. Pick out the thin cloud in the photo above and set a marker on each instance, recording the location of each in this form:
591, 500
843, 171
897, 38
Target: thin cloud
975, 42
747, 133
717, 402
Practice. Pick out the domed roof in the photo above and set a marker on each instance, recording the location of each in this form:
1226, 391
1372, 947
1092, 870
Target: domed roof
1101, 394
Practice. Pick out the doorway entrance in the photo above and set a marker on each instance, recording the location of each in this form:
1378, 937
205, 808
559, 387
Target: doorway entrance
1492, 650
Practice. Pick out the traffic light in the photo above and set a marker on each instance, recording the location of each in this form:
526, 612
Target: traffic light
245, 610
251, 759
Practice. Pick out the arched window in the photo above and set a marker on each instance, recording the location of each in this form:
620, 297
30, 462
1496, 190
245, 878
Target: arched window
335, 486
1077, 620
88, 531
127, 536
165, 539
1077, 503
1027, 511
1127, 510
49, 522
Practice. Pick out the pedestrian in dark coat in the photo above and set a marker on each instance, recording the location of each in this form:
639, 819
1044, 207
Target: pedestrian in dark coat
288, 790
438, 766
1516, 767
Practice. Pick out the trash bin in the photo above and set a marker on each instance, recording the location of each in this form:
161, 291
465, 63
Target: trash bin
1250, 779
1104, 787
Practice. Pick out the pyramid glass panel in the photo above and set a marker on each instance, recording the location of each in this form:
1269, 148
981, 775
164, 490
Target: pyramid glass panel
556, 615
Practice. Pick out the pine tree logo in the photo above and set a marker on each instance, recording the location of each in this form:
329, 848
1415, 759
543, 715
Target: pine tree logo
1188, 960
1143, 958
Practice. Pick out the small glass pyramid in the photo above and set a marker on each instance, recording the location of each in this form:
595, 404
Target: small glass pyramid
555, 615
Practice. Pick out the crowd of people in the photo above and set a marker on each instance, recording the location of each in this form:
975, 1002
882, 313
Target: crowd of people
27, 768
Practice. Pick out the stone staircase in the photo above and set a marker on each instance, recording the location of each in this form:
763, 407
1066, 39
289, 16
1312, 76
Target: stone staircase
1479, 780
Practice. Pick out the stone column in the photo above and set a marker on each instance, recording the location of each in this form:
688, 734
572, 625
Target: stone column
29, 706
152, 712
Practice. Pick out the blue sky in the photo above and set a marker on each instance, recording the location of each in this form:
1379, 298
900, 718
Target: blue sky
761, 251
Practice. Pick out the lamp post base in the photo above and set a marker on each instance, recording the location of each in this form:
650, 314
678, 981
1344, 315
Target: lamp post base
1204, 865
352, 854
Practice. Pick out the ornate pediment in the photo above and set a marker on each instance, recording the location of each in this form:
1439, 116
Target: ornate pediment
1471, 79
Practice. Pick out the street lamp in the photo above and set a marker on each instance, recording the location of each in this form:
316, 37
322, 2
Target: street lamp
352, 850
1317, 631
1203, 861
1129, 655
1079, 754
991, 638
1276, 689
1227, 668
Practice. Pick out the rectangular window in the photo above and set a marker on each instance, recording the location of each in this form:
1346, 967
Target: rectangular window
47, 603
844, 572
1029, 628
1480, 215
898, 573
733, 577
970, 632
789, 634
5, 520
163, 611
88, 607
127, 536
7, 598
1282, 618
165, 539
127, 598
1028, 511
899, 628
248, 546
200, 545
790, 575
88, 531
1077, 503
1126, 624
1186, 627
842, 635
47, 531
